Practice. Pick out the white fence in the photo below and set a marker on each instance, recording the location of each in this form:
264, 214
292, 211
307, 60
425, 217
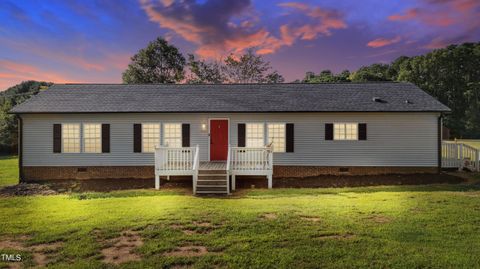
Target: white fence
175, 162
250, 161
460, 155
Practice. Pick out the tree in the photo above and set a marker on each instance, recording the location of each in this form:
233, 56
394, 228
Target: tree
452, 76
202, 72
159, 62
249, 68
327, 76
8, 124
374, 72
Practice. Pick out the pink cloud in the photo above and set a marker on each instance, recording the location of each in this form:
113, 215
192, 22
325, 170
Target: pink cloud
425, 16
12, 72
382, 42
220, 28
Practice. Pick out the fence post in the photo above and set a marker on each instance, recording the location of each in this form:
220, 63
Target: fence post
460, 148
477, 160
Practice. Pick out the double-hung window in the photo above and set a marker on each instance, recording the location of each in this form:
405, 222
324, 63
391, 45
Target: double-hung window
276, 136
172, 135
345, 131
71, 137
255, 135
150, 136
92, 138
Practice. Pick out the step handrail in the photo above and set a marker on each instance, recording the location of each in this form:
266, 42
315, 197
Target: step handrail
196, 164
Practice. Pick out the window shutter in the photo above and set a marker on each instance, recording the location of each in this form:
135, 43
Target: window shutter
241, 134
186, 135
105, 138
362, 131
57, 138
289, 137
137, 137
328, 131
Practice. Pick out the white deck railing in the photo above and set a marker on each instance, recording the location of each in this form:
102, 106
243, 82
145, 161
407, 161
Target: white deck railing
175, 162
250, 161
460, 155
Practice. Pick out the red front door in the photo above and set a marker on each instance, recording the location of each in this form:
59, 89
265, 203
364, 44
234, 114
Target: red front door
218, 140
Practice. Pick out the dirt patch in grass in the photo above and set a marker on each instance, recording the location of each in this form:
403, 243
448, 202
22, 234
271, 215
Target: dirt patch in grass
122, 247
42, 253
310, 218
380, 219
25, 189
335, 236
269, 216
188, 251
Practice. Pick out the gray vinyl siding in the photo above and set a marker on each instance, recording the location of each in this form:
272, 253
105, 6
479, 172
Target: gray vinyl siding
394, 139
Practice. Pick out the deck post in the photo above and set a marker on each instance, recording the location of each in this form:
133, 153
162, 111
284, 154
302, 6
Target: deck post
233, 182
157, 182
461, 164
270, 181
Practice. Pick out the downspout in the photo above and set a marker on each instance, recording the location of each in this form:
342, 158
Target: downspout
20, 148
439, 145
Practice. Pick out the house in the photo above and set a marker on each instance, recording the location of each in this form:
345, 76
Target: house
212, 132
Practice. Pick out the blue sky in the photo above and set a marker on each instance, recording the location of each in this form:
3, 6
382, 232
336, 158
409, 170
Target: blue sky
92, 41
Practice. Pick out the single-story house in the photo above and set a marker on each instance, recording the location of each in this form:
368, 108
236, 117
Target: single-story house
217, 132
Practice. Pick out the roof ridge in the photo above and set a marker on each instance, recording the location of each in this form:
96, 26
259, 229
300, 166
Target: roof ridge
236, 84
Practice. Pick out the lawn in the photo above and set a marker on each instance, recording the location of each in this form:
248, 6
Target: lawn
435, 226
8, 170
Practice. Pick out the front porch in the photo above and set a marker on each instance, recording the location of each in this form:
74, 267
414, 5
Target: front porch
213, 177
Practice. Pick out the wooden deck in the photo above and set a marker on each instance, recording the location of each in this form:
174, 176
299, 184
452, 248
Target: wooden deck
213, 165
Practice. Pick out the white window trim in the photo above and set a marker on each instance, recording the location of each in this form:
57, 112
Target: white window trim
284, 135
162, 132
345, 123
82, 137
160, 129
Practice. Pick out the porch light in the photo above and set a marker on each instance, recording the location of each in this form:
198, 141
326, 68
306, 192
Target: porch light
204, 126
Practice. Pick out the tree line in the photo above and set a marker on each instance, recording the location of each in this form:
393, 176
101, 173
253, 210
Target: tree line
451, 74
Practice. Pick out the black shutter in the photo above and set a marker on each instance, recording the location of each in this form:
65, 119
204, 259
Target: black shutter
57, 138
362, 131
328, 131
186, 135
241, 134
290, 137
105, 138
137, 137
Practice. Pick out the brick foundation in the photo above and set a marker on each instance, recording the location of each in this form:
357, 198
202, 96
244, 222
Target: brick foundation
312, 171
33, 173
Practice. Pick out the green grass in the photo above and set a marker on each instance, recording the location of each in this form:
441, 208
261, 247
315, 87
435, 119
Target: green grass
431, 226
8, 170
471, 142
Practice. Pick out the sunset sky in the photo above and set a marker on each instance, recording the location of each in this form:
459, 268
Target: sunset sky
92, 41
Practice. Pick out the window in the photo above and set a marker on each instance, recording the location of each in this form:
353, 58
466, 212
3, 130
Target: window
255, 135
276, 136
150, 136
172, 133
345, 131
71, 137
92, 138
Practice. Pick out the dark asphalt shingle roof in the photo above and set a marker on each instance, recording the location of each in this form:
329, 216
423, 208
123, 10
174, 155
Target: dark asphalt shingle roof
342, 97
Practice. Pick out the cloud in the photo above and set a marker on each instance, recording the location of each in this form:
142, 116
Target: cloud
382, 42
426, 16
12, 72
219, 27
